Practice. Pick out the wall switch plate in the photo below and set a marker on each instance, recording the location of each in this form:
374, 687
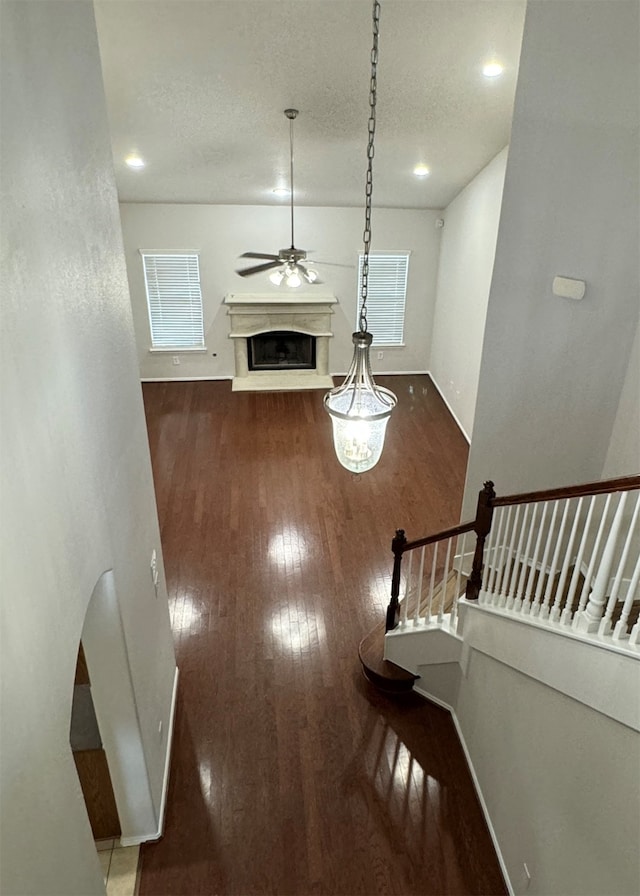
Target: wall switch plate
176, 360
380, 356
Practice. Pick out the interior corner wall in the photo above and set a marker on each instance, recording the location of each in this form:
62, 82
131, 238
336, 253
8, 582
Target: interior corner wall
223, 232
467, 253
77, 488
553, 369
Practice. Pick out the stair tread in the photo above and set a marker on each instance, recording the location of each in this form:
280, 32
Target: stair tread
381, 672
384, 673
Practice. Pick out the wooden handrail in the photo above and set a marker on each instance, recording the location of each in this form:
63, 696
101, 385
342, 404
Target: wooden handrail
439, 536
622, 484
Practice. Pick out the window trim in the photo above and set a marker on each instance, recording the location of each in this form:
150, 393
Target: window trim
385, 253
179, 254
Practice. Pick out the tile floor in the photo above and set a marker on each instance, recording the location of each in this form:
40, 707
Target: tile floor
119, 867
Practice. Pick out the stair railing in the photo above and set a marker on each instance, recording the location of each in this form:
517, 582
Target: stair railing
568, 557
434, 582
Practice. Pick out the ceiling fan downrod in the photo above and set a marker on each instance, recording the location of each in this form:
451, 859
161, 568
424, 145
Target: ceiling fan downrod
291, 114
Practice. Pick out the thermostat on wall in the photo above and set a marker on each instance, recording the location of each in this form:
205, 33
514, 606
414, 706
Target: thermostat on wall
568, 288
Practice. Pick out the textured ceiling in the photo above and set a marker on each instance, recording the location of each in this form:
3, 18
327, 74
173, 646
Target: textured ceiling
198, 88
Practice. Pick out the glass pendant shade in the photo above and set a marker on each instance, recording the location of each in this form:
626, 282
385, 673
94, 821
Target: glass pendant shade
359, 411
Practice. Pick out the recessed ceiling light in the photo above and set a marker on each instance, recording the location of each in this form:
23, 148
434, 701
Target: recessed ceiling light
421, 171
492, 69
134, 161
281, 191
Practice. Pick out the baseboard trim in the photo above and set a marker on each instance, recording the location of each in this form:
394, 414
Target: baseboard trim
476, 784
190, 379
390, 373
449, 408
181, 379
146, 838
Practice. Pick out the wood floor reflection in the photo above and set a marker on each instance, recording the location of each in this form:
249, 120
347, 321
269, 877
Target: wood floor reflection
290, 774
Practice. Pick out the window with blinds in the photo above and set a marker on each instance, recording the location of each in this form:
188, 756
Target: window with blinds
386, 296
174, 300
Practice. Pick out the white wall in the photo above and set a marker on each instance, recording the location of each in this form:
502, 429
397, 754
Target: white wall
623, 456
77, 490
467, 253
553, 369
223, 232
560, 781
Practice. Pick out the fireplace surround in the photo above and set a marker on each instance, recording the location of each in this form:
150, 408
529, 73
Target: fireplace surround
254, 315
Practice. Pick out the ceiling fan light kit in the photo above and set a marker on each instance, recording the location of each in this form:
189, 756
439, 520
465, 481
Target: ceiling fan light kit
360, 409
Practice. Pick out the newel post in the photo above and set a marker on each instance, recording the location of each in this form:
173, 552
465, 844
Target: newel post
393, 610
482, 528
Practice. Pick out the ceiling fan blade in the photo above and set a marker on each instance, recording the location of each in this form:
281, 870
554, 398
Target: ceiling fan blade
259, 255
333, 264
259, 267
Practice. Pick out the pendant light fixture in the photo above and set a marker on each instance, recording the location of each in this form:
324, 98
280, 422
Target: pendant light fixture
360, 409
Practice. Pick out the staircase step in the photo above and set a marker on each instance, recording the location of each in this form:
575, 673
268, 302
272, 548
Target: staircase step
384, 674
387, 676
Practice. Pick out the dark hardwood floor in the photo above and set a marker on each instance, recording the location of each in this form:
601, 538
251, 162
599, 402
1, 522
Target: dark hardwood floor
290, 774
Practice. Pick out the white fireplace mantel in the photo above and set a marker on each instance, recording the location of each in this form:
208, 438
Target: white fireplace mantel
252, 314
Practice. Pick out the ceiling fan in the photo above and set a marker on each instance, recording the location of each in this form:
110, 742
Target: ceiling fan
288, 261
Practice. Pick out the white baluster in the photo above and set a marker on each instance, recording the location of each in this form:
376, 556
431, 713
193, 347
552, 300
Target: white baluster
503, 559
567, 613
605, 624
404, 612
416, 618
620, 631
554, 616
584, 596
489, 562
491, 579
507, 580
524, 558
432, 582
589, 619
526, 607
544, 609
445, 575
454, 609
535, 606
516, 575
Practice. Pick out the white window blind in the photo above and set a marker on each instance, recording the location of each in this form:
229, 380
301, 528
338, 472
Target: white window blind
174, 300
386, 296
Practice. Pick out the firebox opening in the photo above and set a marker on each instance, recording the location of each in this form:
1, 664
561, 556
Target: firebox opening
280, 350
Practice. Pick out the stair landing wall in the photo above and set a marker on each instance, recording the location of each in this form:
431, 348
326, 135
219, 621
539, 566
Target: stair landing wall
551, 729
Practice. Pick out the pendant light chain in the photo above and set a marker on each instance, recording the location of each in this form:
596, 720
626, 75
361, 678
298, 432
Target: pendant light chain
373, 87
